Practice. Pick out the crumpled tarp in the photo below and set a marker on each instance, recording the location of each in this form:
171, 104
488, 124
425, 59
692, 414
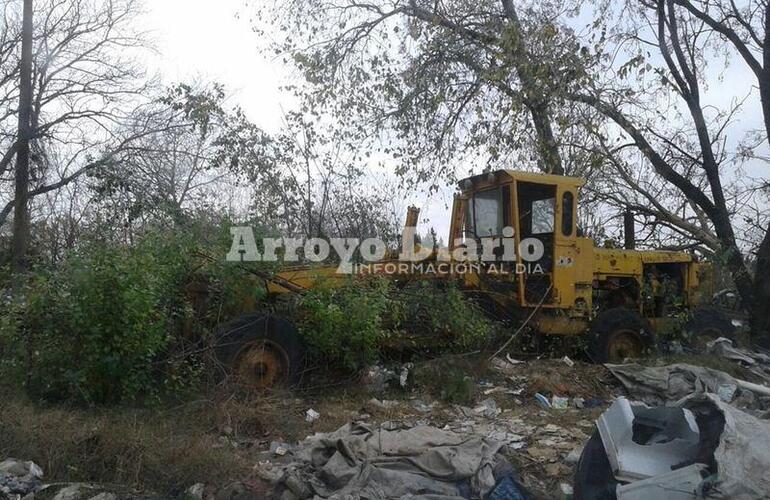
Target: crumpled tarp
658, 385
755, 361
743, 453
359, 462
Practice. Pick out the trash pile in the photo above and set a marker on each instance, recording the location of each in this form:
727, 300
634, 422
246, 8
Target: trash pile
18, 478
691, 433
417, 446
757, 362
699, 448
23, 480
659, 385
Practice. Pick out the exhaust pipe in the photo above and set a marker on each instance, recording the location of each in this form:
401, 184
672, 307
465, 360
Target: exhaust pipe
629, 230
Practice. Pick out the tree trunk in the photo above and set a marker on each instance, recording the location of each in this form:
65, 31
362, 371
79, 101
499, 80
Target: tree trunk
760, 317
536, 99
21, 209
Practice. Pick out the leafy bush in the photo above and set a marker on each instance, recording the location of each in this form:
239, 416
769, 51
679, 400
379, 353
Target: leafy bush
449, 379
356, 322
115, 322
346, 323
95, 328
443, 312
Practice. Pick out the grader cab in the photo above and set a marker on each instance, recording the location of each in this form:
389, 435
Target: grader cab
620, 297
556, 280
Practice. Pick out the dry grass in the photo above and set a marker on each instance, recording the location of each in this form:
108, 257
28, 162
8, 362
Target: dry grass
164, 450
150, 450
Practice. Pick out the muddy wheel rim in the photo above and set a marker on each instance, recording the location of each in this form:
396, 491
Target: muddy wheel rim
261, 364
624, 344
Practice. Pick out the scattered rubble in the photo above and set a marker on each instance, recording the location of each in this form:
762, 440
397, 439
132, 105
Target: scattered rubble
279, 449
488, 408
525, 432
542, 400
379, 379
559, 402
195, 492
756, 362
505, 367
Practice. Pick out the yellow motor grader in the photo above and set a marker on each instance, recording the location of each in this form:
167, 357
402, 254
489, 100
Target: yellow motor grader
620, 298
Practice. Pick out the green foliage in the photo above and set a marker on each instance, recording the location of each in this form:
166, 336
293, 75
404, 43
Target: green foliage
96, 327
459, 388
118, 323
442, 312
357, 322
346, 323
450, 378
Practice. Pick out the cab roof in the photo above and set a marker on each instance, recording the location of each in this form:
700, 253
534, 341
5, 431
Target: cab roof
519, 175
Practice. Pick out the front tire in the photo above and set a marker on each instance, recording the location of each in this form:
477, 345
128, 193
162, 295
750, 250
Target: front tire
619, 333
260, 351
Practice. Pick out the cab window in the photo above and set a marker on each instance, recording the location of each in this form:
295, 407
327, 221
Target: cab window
567, 213
537, 208
488, 213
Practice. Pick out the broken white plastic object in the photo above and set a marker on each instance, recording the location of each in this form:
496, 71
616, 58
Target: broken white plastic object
668, 437
680, 484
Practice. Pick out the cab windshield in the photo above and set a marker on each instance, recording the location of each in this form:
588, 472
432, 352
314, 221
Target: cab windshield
485, 213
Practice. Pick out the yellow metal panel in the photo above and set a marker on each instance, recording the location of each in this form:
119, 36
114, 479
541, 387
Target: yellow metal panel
556, 180
306, 277
659, 256
611, 261
561, 325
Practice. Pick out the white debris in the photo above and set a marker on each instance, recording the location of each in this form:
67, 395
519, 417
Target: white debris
195, 491
279, 449
565, 490
726, 392
488, 408
311, 415
404, 376
559, 402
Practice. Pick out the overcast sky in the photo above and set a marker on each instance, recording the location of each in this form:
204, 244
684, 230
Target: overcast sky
206, 39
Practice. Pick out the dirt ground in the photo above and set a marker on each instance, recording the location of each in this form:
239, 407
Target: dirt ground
549, 439
226, 438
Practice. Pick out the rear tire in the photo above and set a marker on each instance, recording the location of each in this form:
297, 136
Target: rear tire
706, 324
619, 333
260, 351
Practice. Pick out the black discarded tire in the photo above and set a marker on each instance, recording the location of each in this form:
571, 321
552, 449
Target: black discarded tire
260, 351
706, 324
593, 477
619, 333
